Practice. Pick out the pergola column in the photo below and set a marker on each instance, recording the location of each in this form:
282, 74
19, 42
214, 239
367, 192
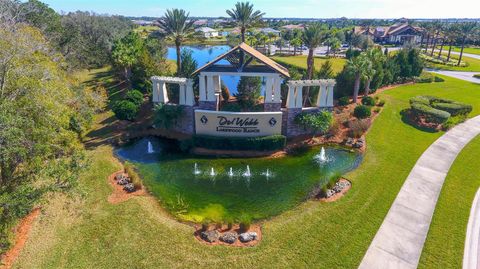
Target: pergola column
277, 90
298, 96
182, 94
291, 96
189, 98
217, 84
202, 88
163, 94
322, 95
269, 90
210, 89
329, 88
155, 91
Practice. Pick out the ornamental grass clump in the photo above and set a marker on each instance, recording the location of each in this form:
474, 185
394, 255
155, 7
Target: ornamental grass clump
134, 178
245, 222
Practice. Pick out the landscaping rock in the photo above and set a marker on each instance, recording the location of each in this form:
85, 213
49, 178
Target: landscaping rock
119, 176
129, 187
123, 181
330, 193
339, 186
248, 236
349, 142
210, 236
359, 144
229, 237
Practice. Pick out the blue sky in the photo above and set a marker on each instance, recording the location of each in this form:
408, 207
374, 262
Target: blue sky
284, 8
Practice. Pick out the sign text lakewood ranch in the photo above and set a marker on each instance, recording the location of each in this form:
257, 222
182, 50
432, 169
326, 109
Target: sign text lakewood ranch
244, 124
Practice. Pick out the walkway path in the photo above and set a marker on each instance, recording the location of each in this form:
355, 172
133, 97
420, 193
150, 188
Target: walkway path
471, 255
467, 76
399, 241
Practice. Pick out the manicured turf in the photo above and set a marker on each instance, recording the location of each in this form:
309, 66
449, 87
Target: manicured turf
467, 50
446, 237
89, 232
301, 62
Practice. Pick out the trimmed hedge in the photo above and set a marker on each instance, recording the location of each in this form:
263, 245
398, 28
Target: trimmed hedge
454, 108
429, 113
362, 112
263, 143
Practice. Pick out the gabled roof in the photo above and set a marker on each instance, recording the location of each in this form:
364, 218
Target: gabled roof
254, 54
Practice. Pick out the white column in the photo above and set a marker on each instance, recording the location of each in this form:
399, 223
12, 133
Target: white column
163, 96
182, 89
268, 90
291, 96
298, 96
189, 98
322, 95
217, 84
202, 88
210, 88
330, 87
154, 91
277, 90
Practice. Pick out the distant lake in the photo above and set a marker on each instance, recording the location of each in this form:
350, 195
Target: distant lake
205, 54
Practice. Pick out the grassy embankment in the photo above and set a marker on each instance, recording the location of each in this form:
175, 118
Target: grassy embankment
92, 233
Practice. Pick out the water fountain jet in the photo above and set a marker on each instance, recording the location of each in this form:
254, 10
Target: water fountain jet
150, 148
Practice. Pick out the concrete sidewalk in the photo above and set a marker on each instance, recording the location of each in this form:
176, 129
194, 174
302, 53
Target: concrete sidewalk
399, 241
471, 255
467, 76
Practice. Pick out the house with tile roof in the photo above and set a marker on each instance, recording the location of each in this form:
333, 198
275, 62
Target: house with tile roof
398, 33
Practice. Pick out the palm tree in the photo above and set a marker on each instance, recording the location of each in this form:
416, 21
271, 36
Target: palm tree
357, 67
374, 57
312, 38
177, 24
443, 29
465, 29
296, 42
436, 26
244, 16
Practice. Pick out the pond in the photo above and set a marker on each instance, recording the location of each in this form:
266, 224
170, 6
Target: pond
193, 188
205, 54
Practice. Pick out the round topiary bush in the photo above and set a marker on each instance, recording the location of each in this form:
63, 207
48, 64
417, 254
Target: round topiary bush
368, 101
362, 112
343, 101
125, 110
134, 96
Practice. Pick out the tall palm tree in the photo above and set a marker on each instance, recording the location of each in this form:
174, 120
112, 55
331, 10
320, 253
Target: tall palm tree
312, 38
374, 57
437, 27
177, 24
465, 29
357, 67
245, 17
428, 29
443, 30
452, 34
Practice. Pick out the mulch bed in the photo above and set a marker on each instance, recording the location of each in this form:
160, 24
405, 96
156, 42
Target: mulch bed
21, 231
119, 195
235, 228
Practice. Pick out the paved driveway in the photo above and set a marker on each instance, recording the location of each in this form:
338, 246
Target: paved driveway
467, 76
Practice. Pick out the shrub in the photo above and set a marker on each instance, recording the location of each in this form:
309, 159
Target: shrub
343, 101
358, 127
233, 107
205, 225
135, 97
245, 222
125, 110
452, 121
229, 222
429, 113
130, 170
368, 101
362, 112
425, 77
249, 90
381, 102
225, 92
263, 143
166, 116
186, 145
438, 79
376, 110
476, 76
453, 108
333, 180
318, 122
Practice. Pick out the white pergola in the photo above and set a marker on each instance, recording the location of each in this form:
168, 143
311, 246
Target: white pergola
160, 94
325, 94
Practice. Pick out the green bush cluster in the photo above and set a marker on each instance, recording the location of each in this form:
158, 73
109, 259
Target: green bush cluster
125, 110
166, 115
318, 122
476, 76
438, 79
438, 110
134, 96
263, 143
362, 112
425, 77
368, 101
343, 101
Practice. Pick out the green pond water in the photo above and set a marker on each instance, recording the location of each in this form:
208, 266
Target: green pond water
193, 188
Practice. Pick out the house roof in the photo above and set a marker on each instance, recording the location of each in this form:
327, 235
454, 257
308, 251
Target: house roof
277, 68
269, 30
205, 30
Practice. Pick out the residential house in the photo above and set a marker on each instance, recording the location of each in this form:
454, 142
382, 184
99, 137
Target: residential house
207, 32
398, 33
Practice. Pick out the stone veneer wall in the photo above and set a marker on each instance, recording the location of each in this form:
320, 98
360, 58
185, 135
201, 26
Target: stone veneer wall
207, 105
272, 107
186, 124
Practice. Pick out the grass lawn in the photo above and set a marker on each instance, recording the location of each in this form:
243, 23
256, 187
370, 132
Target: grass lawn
89, 232
467, 50
301, 62
446, 237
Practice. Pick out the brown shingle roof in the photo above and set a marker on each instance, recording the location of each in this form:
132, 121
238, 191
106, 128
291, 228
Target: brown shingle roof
252, 52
